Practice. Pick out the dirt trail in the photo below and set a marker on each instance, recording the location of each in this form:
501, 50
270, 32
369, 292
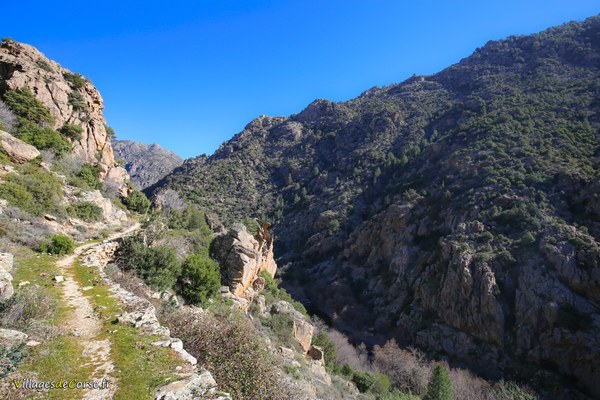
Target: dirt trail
85, 324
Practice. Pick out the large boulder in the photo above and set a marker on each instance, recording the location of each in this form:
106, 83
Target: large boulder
6, 265
244, 257
197, 386
10, 338
302, 329
17, 150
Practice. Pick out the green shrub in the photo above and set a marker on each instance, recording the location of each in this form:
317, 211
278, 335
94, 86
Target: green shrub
200, 279
77, 80
157, 266
25, 105
375, 382
43, 64
322, 340
440, 386
73, 132
110, 132
32, 190
86, 211
273, 293
137, 201
510, 391
251, 225
88, 177
281, 325
41, 138
78, 102
58, 244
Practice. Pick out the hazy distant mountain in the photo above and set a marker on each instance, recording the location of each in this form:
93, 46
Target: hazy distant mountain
459, 212
146, 164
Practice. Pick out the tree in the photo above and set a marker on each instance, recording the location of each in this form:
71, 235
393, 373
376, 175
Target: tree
137, 201
440, 386
200, 279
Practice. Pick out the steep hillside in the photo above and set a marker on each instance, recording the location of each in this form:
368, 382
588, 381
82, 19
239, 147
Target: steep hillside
146, 164
458, 211
74, 105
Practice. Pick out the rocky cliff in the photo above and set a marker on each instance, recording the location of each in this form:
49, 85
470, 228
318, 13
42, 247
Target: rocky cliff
457, 211
70, 98
146, 164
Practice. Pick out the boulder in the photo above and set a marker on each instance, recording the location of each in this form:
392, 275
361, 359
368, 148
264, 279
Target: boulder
17, 150
197, 386
243, 257
10, 338
317, 354
6, 287
302, 329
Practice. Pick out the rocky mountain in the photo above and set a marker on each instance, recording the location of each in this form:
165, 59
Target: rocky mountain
458, 212
146, 164
72, 101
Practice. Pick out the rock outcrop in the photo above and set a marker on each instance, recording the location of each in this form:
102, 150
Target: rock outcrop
302, 329
23, 66
243, 257
198, 386
17, 150
6, 265
10, 338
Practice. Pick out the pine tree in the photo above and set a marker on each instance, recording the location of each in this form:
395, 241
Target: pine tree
439, 387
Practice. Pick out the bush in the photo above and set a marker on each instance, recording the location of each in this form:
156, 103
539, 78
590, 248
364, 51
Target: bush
235, 356
88, 177
78, 102
43, 64
273, 293
282, 326
8, 119
440, 386
200, 279
322, 340
77, 80
73, 132
86, 211
375, 382
137, 201
41, 138
510, 391
58, 244
110, 132
32, 190
25, 105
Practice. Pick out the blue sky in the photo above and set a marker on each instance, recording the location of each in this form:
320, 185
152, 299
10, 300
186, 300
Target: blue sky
190, 74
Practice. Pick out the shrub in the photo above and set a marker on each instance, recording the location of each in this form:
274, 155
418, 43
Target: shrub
75, 79
88, 177
375, 382
58, 244
137, 201
43, 64
510, 391
200, 279
32, 190
440, 386
322, 340
281, 325
41, 138
73, 132
8, 119
272, 293
110, 132
25, 105
408, 369
78, 102
86, 211
232, 352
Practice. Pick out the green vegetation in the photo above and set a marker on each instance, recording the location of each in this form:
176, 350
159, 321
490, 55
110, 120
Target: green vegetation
77, 101
33, 190
73, 132
25, 105
45, 65
75, 79
42, 138
86, 211
137, 201
440, 386
273, 293
88, 177
158, 266
322, 340
200, 279
110, 132
375, 383
58, 244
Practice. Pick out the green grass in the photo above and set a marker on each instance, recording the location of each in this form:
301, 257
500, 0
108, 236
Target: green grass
140, 367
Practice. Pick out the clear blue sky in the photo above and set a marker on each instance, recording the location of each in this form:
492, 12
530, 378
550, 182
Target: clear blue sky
190, 74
